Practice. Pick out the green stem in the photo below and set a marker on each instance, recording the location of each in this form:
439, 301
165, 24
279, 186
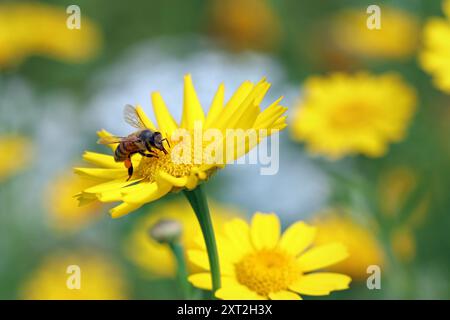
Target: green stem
182, 273
198, 202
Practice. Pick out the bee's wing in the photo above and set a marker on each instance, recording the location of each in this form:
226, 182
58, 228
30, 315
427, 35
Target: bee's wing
132, 117
110, 140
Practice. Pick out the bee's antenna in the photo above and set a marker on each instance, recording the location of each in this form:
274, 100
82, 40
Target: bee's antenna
165, 139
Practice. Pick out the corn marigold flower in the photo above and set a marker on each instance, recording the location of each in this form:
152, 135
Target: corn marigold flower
14, 155
343, 114
396, 39
99, 279
361, 241
156, 258
64, 212
157, 176
435, 55
39, 29
259, 263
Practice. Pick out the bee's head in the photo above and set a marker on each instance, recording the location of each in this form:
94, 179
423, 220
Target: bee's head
152, 140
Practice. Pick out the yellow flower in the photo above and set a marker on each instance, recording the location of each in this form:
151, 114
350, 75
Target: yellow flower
257, 262
65, 213
435, 56
361, 242
344, 114
39, 29
155, 177
98, 279
396, 188
245, 24
157, 258
14, 155
397, 38
403, 244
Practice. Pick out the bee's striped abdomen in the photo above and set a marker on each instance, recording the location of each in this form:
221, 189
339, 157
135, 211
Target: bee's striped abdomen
123, 151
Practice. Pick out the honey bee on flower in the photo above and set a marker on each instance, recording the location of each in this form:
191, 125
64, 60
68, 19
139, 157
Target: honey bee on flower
155, 176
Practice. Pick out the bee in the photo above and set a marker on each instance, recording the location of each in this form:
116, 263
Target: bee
144, 141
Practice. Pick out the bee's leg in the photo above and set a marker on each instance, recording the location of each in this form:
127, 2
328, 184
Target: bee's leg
148, 155
129, 166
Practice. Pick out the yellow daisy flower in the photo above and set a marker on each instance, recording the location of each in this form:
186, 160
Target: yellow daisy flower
259, 263
65, 213
435, 56
344, 114
155, 177
39, 29
98, 279
396, 39
361, 241
157, 258
14, 154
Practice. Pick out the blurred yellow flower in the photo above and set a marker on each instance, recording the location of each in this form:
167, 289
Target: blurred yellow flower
435, 56
245, 24
39, 29
396, 186
15, 155
99, 278
403, 244
361, 241
343, 114
257, 262
157, 258
65, 213
157, 176
397, 38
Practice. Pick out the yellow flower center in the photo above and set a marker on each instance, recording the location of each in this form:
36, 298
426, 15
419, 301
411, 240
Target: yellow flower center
351, 116
149, 167
267, 271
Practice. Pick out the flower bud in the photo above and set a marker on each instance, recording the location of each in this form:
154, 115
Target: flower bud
166, 231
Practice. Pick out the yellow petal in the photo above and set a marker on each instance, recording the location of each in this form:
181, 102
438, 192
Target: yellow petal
201, 280
321, 283
102, 160
192, 110
192, 182
199, 258
123, 209
297, 238
109, 174
233, 105
110, 185
284, 295
234, 112
322, 256
237, 232
237, 292
176, 182
145, 120
103, 133
145, 192
166, 123
216, 107
265, 230
110, 196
